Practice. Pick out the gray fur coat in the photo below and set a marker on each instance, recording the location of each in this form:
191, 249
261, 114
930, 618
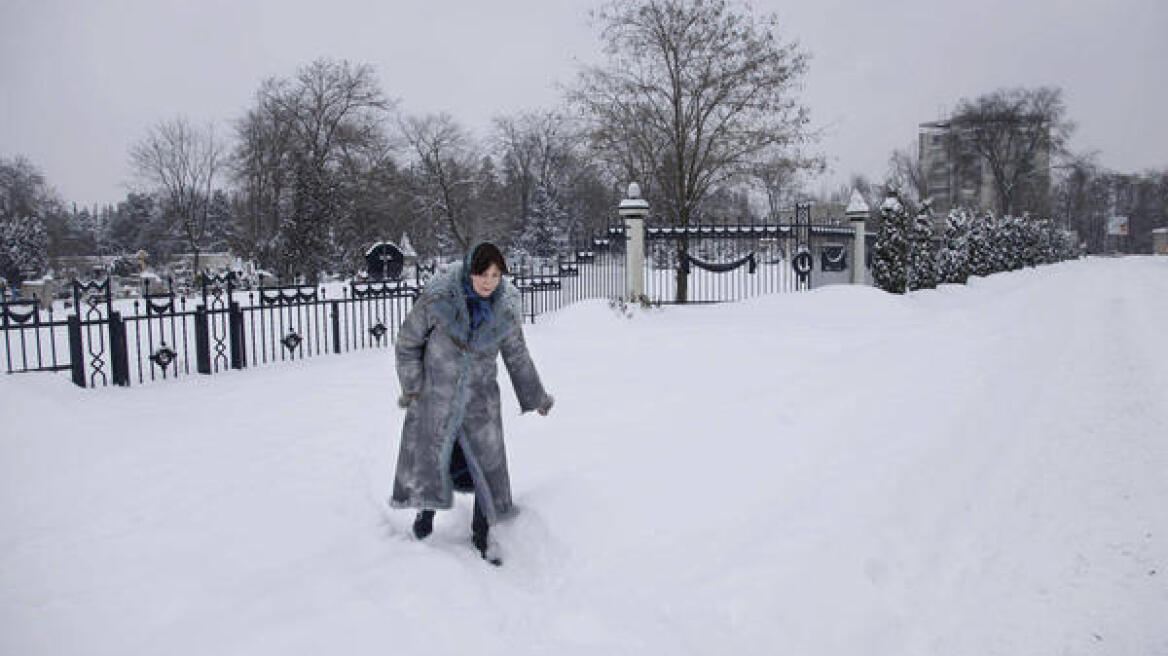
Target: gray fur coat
449, 386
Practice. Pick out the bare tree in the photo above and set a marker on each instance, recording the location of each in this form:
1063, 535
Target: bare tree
907, 176
309, 150
1081, 200
262, 171
334, 106
182, 163
534, 148
692, 93
779, 174
446, 160
1015, 132
23, 190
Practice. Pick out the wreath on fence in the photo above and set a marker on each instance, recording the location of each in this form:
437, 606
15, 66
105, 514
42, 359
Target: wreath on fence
721, 267
802, 262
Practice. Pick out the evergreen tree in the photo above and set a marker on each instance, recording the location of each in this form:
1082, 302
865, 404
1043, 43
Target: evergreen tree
24, 246
129, 222
953, 258
220, 224
890, 253
1011, 244
303, 242
980, 245
544, 232
82, 228
490, 203
922, 252
157, 235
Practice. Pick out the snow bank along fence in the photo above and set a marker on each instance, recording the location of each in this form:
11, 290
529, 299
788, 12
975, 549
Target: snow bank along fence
159, 336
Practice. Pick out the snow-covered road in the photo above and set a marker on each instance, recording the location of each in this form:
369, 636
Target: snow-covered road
967, 471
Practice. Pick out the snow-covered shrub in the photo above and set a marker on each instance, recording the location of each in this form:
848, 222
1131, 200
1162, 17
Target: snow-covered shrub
890, 251
953, 258
922, 253
982, 245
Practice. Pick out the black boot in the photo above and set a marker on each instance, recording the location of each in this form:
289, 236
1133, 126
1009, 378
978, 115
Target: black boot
423, 524
480, 537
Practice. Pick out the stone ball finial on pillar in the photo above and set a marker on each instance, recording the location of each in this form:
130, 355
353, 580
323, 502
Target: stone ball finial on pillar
634, 205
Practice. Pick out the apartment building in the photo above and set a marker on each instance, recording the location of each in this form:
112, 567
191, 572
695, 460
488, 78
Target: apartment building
957, 176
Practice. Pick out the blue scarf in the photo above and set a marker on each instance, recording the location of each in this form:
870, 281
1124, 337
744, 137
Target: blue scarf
480, 308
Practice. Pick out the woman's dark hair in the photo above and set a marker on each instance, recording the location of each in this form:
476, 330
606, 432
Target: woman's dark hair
484, 256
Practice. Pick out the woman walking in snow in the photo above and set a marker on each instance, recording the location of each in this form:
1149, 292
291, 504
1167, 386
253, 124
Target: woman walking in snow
452, 438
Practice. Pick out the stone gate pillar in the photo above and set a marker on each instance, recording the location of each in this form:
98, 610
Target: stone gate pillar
634, 209
857, 214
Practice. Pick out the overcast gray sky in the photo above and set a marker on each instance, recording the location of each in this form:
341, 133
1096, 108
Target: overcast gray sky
81, 80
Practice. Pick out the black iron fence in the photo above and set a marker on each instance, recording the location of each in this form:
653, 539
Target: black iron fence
33, 339
594, 269
164, 335
715, 262
732, 262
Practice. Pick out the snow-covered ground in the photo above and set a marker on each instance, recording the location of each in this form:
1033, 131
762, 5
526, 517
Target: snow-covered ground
970, 471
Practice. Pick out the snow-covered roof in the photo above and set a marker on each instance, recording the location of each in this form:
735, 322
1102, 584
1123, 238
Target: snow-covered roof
857, 204
380, 243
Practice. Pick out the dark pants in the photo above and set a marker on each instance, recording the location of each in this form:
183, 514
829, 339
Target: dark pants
464, 482
479, 526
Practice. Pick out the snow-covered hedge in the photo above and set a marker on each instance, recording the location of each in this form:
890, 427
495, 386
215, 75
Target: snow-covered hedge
916, 254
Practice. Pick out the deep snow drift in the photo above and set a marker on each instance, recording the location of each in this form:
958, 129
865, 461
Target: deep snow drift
968, 471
